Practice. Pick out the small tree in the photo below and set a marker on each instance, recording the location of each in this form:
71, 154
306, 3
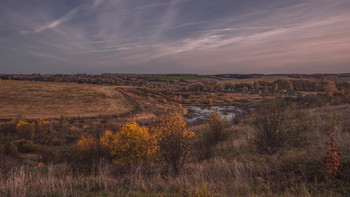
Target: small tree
274, 124
173, 137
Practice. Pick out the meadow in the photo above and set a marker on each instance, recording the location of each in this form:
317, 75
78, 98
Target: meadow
29, 99
26, 99
70, 139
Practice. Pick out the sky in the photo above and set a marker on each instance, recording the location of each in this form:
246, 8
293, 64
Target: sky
174, 36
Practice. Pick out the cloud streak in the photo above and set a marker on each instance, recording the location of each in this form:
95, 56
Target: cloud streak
54, 23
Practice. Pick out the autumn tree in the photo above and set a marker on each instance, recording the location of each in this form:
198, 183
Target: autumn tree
131, 145
173, 140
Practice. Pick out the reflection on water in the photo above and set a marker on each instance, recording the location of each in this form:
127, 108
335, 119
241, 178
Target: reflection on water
201, 113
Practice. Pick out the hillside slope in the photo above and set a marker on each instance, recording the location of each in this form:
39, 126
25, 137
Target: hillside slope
30, 99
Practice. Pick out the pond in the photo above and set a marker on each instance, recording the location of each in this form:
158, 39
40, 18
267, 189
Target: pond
202, 113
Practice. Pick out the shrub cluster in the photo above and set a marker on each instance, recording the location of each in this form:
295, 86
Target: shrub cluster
20, 146
167, 141
25, 129
18, 135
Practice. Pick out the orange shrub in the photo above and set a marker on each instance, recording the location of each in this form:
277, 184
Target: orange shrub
106, 146
86, 143
41, 122
106, 139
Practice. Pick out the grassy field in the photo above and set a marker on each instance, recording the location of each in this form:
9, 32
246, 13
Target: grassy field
27, 99
252, 80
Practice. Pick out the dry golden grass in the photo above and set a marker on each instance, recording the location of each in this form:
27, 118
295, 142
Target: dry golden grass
235, 169
28, 99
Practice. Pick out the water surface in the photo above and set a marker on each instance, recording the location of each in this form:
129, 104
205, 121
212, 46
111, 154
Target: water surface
202, 113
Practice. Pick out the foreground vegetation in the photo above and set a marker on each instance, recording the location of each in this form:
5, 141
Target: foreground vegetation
283, 146
235, 166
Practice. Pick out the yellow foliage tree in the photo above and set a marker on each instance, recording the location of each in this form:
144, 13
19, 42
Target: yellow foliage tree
131, 145
172, 138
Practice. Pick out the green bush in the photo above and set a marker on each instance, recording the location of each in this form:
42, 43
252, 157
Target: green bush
26, 131
26, 146
11, 148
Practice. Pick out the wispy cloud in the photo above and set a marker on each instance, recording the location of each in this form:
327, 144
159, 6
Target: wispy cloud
178, 35
57, 22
